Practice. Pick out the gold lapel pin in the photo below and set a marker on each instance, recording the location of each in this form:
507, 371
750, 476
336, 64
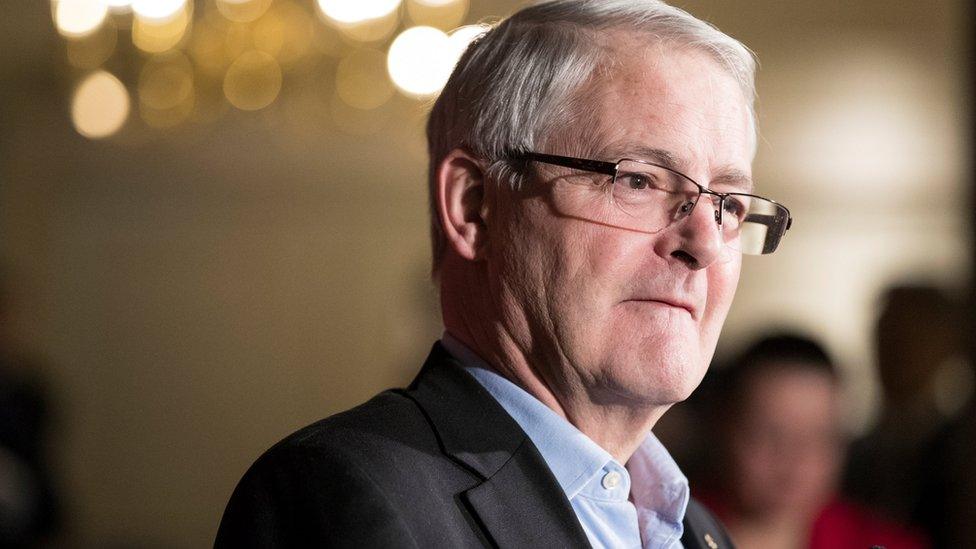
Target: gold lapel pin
710, 541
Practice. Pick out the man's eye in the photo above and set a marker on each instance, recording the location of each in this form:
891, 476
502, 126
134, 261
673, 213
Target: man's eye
735, 207
635, 181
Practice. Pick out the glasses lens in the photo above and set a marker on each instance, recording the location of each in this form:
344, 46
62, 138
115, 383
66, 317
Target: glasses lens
757, 226
649, 198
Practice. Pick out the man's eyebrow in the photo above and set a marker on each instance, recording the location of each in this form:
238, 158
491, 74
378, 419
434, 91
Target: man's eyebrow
732, 177
661, 157
729, 177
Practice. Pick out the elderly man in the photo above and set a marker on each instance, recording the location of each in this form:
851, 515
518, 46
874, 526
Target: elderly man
589, 179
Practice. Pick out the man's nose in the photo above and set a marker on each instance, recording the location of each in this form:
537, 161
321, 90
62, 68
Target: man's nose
701, 234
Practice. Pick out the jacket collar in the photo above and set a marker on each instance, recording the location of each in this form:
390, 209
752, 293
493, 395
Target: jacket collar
518, 501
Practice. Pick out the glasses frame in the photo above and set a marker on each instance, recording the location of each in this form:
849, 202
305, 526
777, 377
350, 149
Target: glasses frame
611, 168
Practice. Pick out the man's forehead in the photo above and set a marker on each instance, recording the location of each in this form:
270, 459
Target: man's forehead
656, 89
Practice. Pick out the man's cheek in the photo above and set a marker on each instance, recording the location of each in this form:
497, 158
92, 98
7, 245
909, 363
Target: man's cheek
723, 280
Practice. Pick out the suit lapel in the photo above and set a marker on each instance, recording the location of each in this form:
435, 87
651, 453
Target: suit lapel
702, 530
522, 505
690, 537
518, 502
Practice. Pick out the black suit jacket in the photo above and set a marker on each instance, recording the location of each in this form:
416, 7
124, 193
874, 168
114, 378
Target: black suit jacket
439, 464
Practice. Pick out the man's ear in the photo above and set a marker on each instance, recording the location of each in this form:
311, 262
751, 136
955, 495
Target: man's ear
461, 204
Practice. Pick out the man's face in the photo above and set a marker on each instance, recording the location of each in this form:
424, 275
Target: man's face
628, 317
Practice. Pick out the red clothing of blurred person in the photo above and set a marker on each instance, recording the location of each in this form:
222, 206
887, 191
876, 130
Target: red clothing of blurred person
842, 524
839, 525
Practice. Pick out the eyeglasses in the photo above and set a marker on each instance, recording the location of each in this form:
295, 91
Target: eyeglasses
647, 197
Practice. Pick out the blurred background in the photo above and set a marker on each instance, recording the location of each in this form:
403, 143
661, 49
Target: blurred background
213, 225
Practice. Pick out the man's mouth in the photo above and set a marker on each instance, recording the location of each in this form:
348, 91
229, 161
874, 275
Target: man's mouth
669, 302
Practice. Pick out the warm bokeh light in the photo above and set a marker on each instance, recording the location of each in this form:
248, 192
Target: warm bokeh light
166, 93
93, 50
207, 46
243, 11
100, 105
252, 81
157, 36
158, 10
416, 61
361, 79
371, 30
443, 15
421, 58
285, 32
78, 18
356, 11
238, 38
248, 42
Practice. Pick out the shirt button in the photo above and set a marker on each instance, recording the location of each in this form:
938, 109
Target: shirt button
611, 480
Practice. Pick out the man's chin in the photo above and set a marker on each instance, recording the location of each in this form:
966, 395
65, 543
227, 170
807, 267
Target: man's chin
663, 387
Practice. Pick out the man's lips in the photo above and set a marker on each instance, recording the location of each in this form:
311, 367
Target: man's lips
669, 302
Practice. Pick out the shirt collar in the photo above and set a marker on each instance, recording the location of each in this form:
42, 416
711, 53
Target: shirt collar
571, 456
657, 483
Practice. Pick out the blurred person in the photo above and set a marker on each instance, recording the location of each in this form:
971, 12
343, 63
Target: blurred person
957, 461
29, 512
589, 168
902, 465
780, 451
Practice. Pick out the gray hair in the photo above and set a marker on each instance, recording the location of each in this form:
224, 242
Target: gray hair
520, 82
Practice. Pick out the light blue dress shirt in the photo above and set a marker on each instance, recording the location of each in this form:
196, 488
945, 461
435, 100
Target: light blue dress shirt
641, 505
